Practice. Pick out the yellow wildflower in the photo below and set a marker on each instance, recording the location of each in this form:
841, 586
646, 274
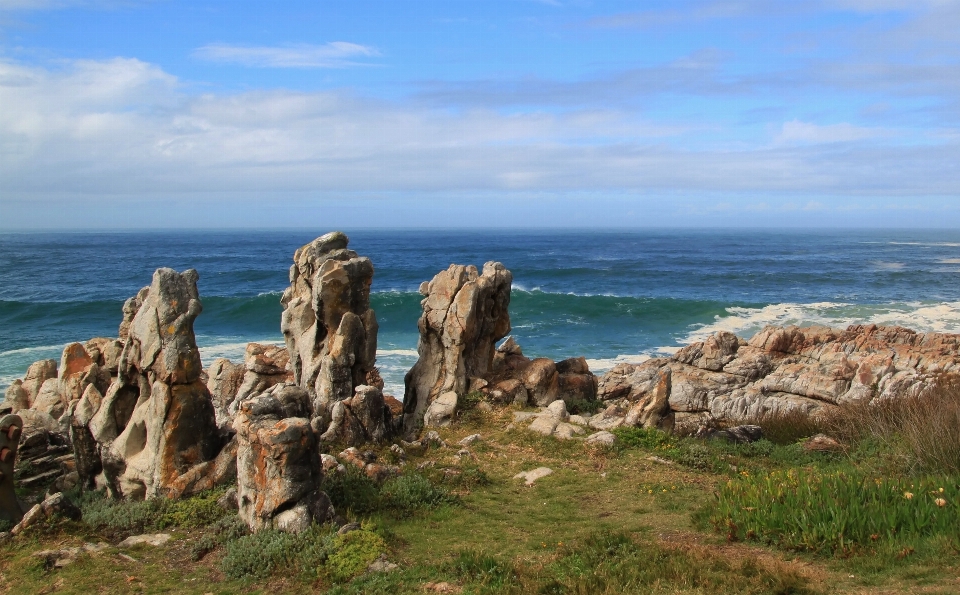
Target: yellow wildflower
908, 495
940, 502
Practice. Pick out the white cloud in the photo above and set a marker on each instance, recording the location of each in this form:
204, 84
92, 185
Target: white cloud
796, 131
126, 127
335, 54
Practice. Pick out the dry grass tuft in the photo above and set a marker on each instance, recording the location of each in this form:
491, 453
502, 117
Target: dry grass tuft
925, 429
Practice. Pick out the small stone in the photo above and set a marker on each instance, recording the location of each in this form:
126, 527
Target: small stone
156, 539
531, 476
381, 564
558, 409
821, 443
602, 438
469, 440
348, 528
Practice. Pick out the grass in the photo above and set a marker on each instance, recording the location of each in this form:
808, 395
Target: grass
632, 519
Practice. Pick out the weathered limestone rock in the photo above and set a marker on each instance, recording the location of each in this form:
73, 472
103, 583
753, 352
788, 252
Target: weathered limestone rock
223, 381
464, 314
789, 369
278, 465
156, 420
329, 328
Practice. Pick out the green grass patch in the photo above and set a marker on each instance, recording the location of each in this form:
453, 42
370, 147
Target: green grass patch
354, 492
101, 512
839, 512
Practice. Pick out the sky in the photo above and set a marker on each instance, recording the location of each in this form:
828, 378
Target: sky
128, 114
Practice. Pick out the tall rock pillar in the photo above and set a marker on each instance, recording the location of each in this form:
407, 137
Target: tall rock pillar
464, 314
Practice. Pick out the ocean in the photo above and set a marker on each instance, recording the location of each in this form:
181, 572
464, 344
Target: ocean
610, 296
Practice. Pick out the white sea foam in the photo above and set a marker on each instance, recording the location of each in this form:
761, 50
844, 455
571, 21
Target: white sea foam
745, 322
29, 350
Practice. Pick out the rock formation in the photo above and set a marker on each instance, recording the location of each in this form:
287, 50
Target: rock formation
327, 323
464, 315
278, 464
156, 420
781, 370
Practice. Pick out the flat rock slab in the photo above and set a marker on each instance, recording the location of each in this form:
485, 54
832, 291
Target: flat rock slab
156, 539
531, 476
602, 438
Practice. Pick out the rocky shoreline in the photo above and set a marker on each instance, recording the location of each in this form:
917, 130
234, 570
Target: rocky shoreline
140, 417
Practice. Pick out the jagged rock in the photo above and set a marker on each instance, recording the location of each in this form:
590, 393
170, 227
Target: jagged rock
11, 428
464, 314
161, 344
38, 429
329, 328
653, 410
77, 371
736, 434
264, 367
105, 352
171, 431
224, 379
278, 466
790, 369
468, 440
38, 373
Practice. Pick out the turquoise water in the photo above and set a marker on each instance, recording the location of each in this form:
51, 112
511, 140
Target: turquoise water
610, 296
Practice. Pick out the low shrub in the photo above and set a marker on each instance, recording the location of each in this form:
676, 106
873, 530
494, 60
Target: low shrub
581, 406
351, 554
101, 512
837, 512
411, 492
352, 491
262, 554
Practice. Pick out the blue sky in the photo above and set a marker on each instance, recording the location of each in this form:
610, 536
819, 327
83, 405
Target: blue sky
496, 113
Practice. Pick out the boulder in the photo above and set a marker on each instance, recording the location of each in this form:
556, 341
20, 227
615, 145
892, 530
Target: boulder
49, 399
15, 398
329, 328
542, 381
264, 366
465, 313
38, 373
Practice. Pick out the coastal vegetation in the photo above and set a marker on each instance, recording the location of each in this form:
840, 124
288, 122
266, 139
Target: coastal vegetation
657, 512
